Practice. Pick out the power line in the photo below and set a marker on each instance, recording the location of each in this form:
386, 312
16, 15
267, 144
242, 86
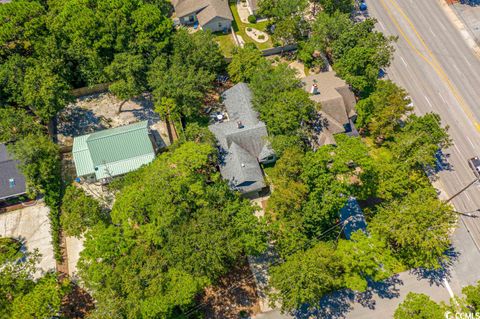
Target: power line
251, 276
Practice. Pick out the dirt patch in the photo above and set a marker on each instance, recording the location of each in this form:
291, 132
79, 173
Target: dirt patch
77, 304
233, 297
100, 111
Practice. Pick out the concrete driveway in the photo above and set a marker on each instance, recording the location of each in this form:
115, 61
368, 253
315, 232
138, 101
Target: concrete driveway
31, 225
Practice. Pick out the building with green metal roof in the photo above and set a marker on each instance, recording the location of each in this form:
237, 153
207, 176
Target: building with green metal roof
105, 154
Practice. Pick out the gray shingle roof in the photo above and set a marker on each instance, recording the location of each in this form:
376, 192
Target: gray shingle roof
242, 148
12, 181
206, 10
336, 99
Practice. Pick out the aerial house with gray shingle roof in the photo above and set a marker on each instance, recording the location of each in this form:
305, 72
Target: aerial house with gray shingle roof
243, 143
103, 155
213, 15
12, 181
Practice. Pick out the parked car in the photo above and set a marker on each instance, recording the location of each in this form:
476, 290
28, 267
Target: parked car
474, 164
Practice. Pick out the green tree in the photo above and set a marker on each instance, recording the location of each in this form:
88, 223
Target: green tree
382, 112
326, 29
419, 140
472, 297
39, 162
17, 123
245, 64
184, 84
44, 91
332, 6
419, 306
163, 248
43, 301
366, 257
79, 212
152, 30
416, 227
306, 276
12, 73
22, 24
128, 73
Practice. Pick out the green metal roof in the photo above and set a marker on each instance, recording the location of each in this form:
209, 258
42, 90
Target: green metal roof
114, 151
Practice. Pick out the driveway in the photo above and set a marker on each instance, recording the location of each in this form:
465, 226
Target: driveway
31, 225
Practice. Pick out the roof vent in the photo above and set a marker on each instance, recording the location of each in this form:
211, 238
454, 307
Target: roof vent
239, 124
11, 183
243, 164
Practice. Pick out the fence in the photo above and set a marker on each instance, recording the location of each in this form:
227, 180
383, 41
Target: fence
99, 88
279, 50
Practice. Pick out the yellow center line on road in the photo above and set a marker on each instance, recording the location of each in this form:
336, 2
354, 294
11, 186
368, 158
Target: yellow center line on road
433, 62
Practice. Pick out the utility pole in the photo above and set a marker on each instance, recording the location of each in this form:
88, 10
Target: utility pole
462, 190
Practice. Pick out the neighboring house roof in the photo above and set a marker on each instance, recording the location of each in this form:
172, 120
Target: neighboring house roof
12, 181
114, 151
336, 99
206, 10
353, 212
242, 148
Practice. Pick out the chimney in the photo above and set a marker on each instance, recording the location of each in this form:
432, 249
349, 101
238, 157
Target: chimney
239, 124
314, 89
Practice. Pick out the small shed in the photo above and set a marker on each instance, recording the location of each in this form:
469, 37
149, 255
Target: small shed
12, 181
105, 154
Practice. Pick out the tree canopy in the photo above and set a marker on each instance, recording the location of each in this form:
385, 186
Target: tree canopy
163, 247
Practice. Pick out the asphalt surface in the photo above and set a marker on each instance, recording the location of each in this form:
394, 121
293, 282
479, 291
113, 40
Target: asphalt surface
442, 75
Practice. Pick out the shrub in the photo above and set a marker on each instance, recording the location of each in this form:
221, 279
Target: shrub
252, 18
249, 29
261, 37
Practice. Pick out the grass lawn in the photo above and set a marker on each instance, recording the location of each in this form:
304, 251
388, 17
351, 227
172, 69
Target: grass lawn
226, 43
239, 27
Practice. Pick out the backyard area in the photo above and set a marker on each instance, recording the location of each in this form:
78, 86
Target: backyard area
241, 28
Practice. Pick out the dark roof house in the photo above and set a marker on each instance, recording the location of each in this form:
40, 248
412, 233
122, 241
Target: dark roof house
243, 142
337, 103
213, 15
12, 181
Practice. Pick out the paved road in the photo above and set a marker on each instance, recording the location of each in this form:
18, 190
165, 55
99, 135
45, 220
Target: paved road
442, 75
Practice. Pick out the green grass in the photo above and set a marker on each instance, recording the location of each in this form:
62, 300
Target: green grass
226, 43
239, 28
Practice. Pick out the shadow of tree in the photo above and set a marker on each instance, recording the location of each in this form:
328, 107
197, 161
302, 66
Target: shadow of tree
75, 121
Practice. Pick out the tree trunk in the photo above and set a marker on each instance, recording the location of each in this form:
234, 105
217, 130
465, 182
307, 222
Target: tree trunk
120, 107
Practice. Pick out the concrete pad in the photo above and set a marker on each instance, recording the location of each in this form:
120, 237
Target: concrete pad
31, 225
74, 246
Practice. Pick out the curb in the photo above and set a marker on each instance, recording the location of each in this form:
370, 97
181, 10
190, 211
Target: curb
460, 26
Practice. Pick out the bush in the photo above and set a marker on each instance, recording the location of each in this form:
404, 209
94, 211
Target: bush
252, 18
249, 29
261, 37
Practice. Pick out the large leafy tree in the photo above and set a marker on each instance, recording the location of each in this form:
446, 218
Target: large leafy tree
163, 247
416, 228
419, 140
305, 276
16, 123
366, 258
419, 306
20, 295
128, 73
382, 112
79, 212
332, 6
187, 74
44, 91
40, 163
245, 63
